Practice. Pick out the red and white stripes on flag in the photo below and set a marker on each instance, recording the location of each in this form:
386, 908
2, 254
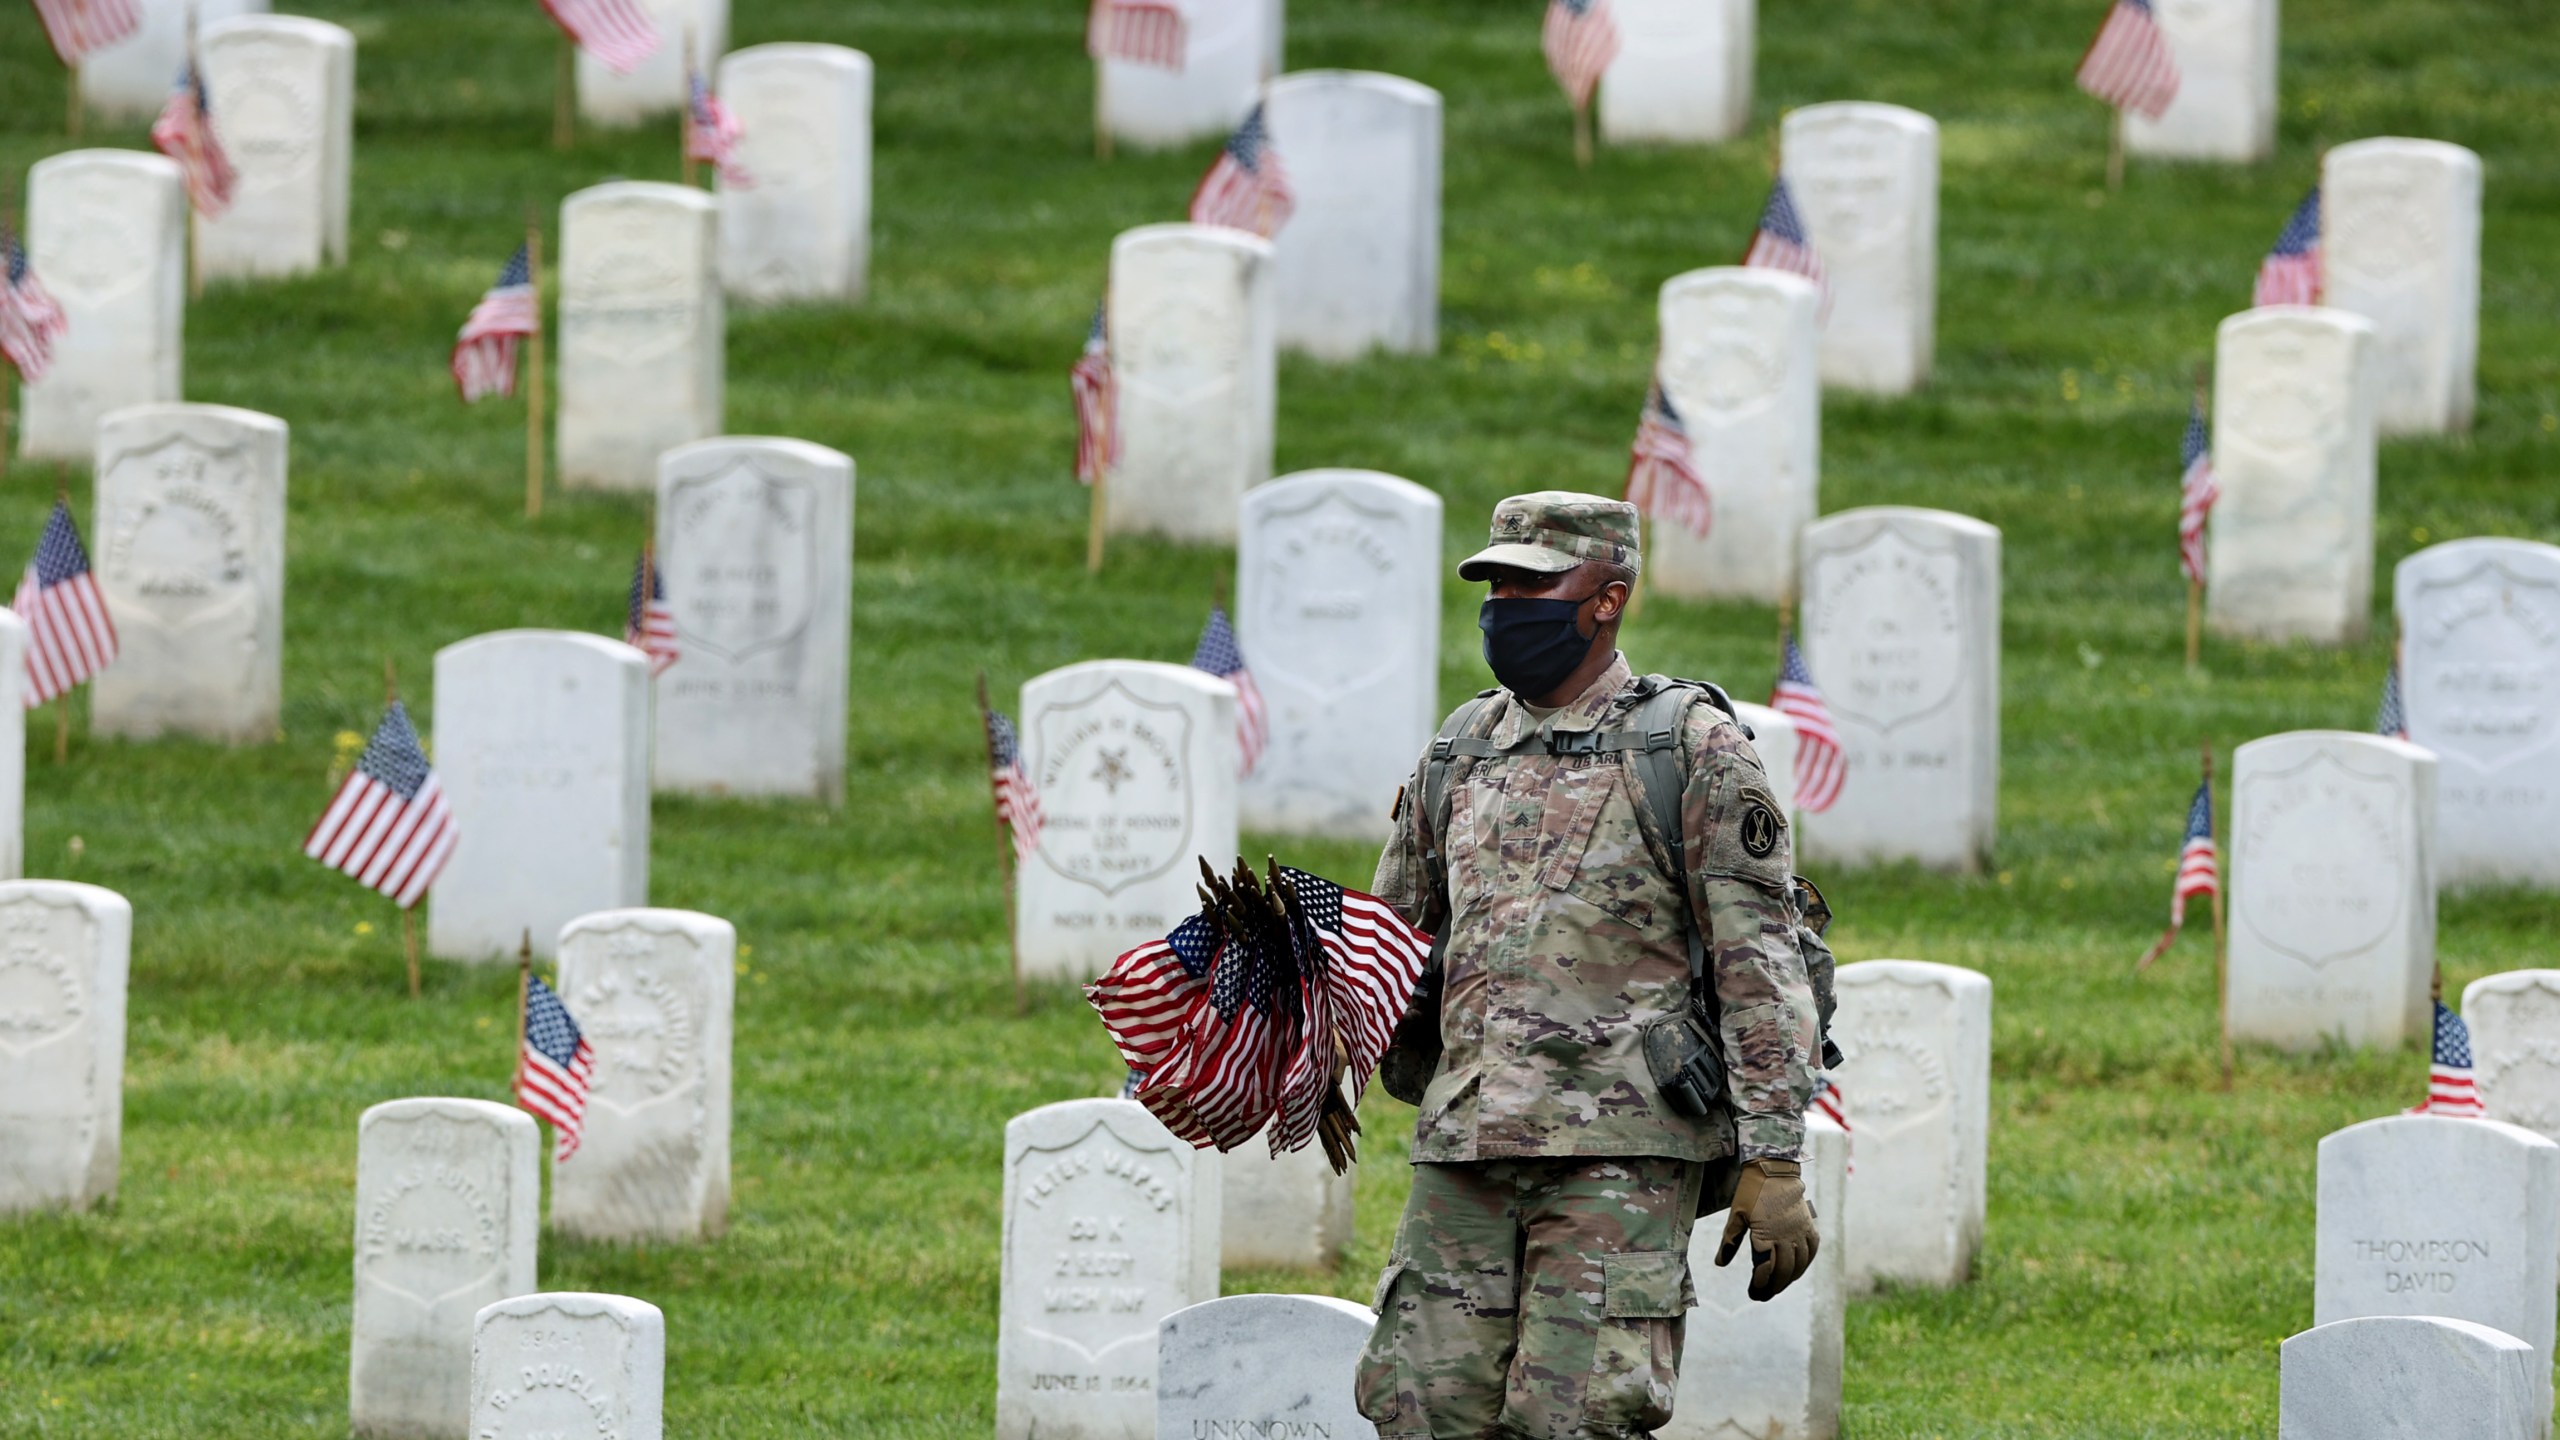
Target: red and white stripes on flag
1017, 799
619, 33
712, 132
388, 825
1142, 32
2451, 1088
30, 321
1220, 654
1246, 188
69, 634
1822, 767
648, 621
2290, 275
184, 133
1580, 38
79, 27
484, 354
554, 1066
2197, 490
1832, 1106
1662, 472
1782, 243
2129, 64
2199, 869
1097, 392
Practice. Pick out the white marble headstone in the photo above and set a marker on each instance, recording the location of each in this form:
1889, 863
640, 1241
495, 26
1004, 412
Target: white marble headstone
2333, 914
1740, 363
64, 952
107, 234
1262, 1367
541, 741
652, 991
1338, 613
642, 330
13, 745
2291, 553
755, 540
1288, 1211
2409, 1377
283, 90
562, 1364
2400, 245
129, 80
657, 85
1865, 178
1754, 1368
1359, 261
1683, 71
2480, 677
448, 1211
2514, 1018
2430, 1215
801, 230
189, 551
1136, 766
1917, 1089
2226, 106
1191, 322
1901, 627
1110, 1225
1229, 48
1774, 740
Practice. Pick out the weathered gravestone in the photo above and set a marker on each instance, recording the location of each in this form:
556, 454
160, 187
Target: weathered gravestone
1191, 345
1136, 767
2400, 245
1229, 48
2410, 1377
641, 330
1901, 627
2226, 105
283, 90
2514, 1017
129, 80
106, 232
652, 991
1288, 1211
188, 551
1739, 362
448, 1210
1918, 1091
542, 745
657, 85
1359, 262
64, 952
2480, 677
13, 745
1338, 606
1865, 179
564, 1363
1261, 1367
2333, 912
1755, 1369
1110, 1225
755, 538
2293, 448
801, 230
2430, 1215
1683, 71
1773, 738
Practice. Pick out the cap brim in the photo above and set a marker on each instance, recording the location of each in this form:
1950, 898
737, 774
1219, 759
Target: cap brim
1537, 558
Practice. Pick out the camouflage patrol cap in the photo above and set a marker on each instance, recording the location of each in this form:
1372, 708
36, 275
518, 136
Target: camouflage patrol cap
1554, 530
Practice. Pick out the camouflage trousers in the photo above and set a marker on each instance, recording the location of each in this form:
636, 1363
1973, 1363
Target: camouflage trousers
1538, 1298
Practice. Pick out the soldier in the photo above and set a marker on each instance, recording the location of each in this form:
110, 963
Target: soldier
1540, 1274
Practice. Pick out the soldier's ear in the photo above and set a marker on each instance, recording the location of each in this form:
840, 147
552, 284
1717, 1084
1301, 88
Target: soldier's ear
1613, 601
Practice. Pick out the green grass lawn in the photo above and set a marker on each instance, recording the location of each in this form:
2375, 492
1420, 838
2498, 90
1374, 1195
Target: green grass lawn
2150, 1237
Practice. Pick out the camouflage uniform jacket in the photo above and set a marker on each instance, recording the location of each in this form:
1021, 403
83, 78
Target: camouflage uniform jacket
1567, 938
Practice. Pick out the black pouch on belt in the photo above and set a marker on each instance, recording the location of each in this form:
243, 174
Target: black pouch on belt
1681, 1054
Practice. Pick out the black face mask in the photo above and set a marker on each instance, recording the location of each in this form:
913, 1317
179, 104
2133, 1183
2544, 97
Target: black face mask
1532, 645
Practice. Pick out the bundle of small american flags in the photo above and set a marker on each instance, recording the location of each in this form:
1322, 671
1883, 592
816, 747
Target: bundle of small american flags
1143, 32
2199, 870
69, 634
2391, 717
484, 354
554, 1066
1097, 392
184, 133
1246, 187
712, 133
78, 28
1580, 38
388, 825
1017, 799
2451, 1088
1821, 765
1662, 473
2197, 490
648, 622
30, 321
1781, 243
1218, 654
2290, 275
619, 33
2129, 64
1250, 1015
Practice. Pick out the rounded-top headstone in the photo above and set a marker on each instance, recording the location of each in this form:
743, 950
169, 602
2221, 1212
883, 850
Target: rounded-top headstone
801, 229
569, 1363
1917, 1088
656, 85
1193, 356
1359, 260
283, 92
2400, 245
2514, 1019
2225, 109
1740, 362
107, 233
1865, 180
1683, 71
129, 80
62, 1008
2291, 550
1229, 48
2480, 677
642, 330
1261, 1367
2411, 1377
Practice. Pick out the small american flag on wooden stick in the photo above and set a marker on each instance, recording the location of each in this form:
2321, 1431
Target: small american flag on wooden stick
69, 635
1218, 654
1017, 800
184, 133
1662, 473
388, 825
1781, 243
712, 133
648, 622
2129, 64
1142, 32
2452, 1089
484, 354
30, 321
1246, 187
1822, 766
79, 27
1097, 392
2199, 870
1580, 38
554, 1066
619, 33
2197, 490
2290, 275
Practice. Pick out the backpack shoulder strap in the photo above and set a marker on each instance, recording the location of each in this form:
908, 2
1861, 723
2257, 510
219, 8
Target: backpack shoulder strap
1461, 736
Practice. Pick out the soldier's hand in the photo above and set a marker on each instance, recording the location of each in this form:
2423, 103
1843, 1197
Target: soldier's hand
1769, 1205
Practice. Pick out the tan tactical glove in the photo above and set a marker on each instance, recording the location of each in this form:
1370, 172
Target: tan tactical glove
1769, 1202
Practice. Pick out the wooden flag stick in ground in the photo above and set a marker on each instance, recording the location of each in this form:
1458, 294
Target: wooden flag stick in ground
1099, 504
524, 992
1004, 847
2221, 946
1582, 136
533, 372
564, 96
684, 117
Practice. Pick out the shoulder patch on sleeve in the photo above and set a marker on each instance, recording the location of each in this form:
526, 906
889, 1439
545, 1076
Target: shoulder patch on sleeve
1747, 833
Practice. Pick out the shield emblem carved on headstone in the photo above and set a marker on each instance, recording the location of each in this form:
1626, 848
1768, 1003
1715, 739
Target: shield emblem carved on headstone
1326, 569
94, 247
176, 546
268, 119
430, 1232
2326, 862
743, 583
1897, 1083
2386, 233
2485, 666
633, 303
1851, 193
1729, 367
1889, 619
1181, 345
1115, 787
